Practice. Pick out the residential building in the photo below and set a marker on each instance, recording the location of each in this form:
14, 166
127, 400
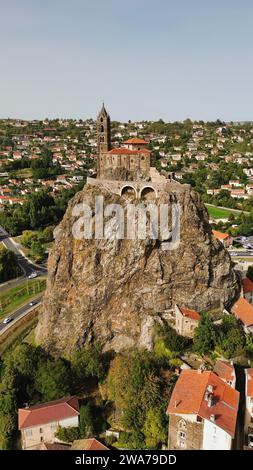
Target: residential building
88, 444
39, 423
243, 310
80, 444
235, 183
52, 446
225, 238
202, 412
186, 321
247, 288
248, 418
226, 371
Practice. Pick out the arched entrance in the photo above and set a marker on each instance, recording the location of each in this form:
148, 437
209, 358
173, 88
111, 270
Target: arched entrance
148, 193
128, 192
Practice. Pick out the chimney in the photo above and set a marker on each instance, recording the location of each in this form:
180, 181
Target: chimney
212, 418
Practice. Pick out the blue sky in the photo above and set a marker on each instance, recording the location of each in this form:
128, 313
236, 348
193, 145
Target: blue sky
147, 59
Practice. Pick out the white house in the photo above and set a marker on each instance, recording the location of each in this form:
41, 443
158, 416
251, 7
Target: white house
203, 412
39, 423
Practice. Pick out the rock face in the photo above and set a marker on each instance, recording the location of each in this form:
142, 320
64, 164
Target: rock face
116, 290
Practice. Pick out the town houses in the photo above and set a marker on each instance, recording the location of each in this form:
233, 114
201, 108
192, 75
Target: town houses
202, 390
202, 411
73, 147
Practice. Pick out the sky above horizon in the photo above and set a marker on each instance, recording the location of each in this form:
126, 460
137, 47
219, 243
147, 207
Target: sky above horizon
145, 59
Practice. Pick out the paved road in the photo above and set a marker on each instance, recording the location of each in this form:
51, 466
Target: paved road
242, 254
27, 266
20, 312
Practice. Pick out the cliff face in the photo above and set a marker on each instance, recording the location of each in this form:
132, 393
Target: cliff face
117, 290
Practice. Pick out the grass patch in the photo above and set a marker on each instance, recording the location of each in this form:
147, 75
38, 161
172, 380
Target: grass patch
18, 296
24, 173
161, 351
219, 212
18, 331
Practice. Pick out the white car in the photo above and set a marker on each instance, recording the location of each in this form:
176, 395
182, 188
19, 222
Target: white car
33, 275
7, 320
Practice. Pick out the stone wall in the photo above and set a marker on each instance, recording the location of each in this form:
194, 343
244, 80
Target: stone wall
116, 187
193, 433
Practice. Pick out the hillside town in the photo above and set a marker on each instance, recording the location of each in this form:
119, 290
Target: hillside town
193, 389
217, 155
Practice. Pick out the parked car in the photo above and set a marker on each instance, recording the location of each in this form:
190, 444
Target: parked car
7, 320
33, 275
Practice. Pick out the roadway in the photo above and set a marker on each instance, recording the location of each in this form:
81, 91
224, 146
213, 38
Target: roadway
27, 266
241, 253
22, 311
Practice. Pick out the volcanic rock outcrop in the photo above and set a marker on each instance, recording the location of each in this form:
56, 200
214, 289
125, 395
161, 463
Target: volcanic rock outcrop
115, 291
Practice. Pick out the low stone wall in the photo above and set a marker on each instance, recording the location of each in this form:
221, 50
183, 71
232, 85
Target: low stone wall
116, 187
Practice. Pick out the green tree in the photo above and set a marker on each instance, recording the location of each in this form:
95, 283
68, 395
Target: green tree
28, 237
86, 421
155, 428
204, 337
135, 385
171, 339
88, 362
9, 267
230, 336
53, 379
38, 251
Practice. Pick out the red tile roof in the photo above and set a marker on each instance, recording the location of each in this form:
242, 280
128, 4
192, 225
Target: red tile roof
136, 140
54, 446
220, 235
122, 150
249, 382
189, 397
48, 412
224, 370
88, 444
190, 313
247, 285
243, 310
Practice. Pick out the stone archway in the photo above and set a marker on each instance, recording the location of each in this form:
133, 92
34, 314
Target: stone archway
148, 193
128, 192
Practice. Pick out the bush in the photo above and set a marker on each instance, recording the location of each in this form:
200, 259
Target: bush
171, 339
67, 434
86, 421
